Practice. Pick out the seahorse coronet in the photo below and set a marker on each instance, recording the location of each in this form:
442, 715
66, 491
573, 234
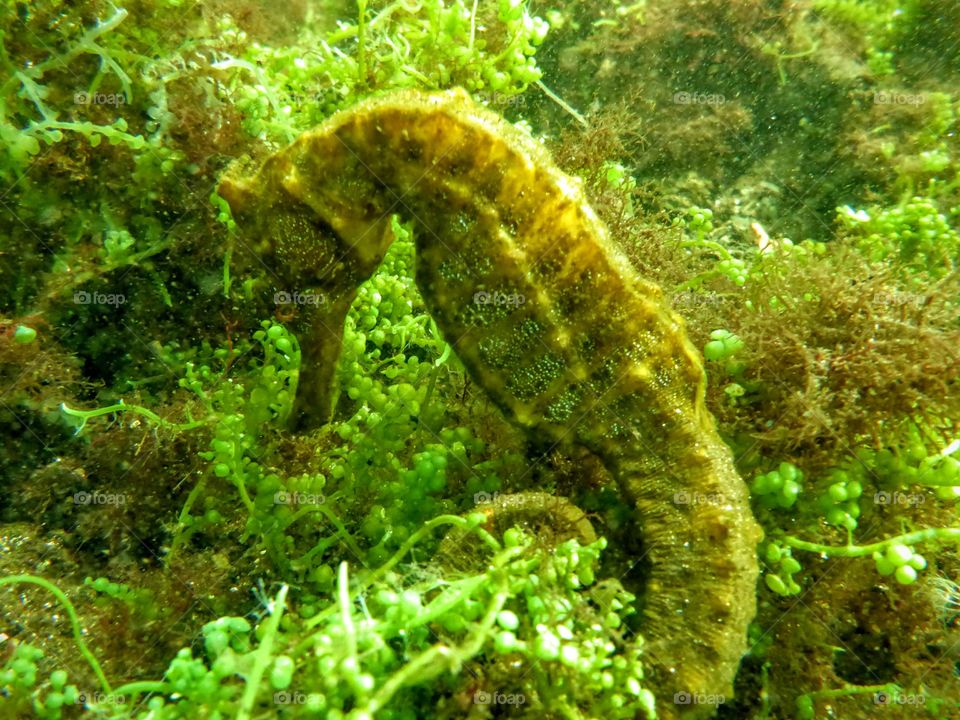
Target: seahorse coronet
592, 354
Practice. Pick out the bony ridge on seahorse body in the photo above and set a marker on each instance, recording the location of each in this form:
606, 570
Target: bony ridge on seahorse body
592, 354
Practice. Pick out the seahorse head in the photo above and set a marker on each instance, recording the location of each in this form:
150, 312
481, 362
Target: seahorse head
309, 252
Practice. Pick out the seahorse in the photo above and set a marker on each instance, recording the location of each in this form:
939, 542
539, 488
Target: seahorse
550, 319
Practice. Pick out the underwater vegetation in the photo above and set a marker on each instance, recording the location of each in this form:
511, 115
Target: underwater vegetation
178, 542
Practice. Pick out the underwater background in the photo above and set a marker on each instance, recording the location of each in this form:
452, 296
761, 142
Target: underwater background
173, 546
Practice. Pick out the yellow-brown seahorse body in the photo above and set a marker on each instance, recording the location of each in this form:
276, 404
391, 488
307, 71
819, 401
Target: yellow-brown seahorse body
550, 319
